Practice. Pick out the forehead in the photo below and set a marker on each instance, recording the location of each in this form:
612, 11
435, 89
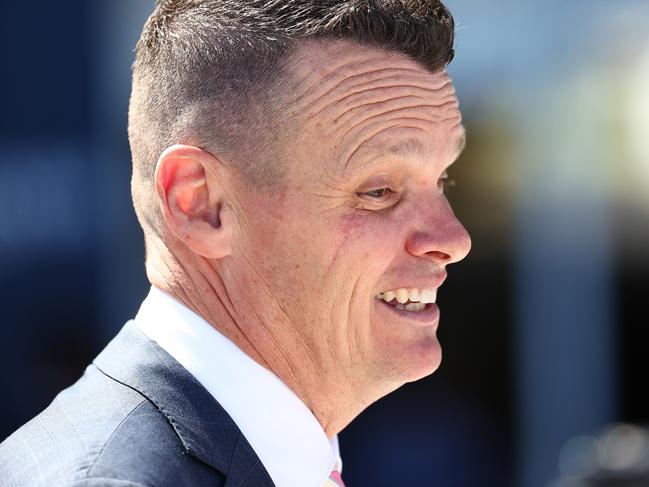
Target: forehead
355, 103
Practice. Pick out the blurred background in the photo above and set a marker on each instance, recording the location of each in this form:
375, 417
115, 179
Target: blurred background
544, 326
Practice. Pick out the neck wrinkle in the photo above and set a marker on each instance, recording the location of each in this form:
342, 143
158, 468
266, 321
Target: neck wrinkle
182, 281
213, 303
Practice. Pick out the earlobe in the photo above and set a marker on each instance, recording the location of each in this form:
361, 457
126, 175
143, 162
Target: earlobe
192, 200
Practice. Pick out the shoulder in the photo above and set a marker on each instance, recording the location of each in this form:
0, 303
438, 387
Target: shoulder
100, 432
144, 448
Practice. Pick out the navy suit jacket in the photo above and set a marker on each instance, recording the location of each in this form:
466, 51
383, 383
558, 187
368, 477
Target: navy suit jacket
135, 418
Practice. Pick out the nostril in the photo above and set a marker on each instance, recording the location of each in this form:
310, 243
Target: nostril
445, 246
439, 255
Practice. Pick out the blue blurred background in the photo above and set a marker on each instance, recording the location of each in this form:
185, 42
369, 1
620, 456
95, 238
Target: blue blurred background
544, 326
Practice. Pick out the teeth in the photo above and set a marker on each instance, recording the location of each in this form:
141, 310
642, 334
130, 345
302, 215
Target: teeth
414, 295
412, 299
415, 306
428, 295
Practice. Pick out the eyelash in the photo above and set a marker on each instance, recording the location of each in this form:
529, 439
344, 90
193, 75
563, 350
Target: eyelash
383, 192
445, 183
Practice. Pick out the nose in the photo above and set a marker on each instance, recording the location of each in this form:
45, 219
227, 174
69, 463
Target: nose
441, 237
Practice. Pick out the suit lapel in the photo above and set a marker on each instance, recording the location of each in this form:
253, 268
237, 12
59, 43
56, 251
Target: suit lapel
205, 429
246, 469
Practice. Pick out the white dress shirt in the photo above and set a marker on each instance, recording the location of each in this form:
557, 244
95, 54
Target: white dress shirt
284, 433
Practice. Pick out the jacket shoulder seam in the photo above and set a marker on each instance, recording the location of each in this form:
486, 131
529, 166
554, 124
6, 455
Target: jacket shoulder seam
117, 428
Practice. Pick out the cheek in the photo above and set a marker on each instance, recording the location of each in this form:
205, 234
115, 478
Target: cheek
371, 239
292, 253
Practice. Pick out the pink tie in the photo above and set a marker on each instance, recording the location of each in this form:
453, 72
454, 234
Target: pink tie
336, 479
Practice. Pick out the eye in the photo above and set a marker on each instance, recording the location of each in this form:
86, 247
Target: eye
377, 193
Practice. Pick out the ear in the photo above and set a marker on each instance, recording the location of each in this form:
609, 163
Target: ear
191, 196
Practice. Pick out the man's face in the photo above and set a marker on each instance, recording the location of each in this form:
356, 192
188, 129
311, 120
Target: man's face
361, 215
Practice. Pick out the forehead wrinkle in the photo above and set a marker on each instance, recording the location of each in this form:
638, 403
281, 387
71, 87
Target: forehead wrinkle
358, 84
413, 145
436, 112
321, 84
428, 114
363, 105
374, 109
396, 84
320, 63
366, 105
366, 97
334, 78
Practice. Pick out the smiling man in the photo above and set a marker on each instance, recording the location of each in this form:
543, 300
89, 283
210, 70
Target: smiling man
289, 165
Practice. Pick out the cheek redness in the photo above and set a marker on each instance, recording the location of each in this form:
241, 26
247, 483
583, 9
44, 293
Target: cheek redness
374, 239
362, 237
350, 225
347, 229
374, 228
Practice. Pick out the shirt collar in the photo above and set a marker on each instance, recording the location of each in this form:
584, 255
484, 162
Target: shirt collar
284, 433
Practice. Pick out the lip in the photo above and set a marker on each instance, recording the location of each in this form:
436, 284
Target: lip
427, 317
436, 282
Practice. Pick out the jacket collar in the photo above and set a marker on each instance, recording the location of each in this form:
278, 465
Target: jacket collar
205, 429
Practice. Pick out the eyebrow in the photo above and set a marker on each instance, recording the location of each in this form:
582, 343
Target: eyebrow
405, 148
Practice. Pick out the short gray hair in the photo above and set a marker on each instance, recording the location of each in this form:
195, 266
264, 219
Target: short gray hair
208, 73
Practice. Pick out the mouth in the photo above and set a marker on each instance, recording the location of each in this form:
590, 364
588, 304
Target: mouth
413, 300
414, 304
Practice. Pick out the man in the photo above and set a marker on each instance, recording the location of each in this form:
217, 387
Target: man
289, 165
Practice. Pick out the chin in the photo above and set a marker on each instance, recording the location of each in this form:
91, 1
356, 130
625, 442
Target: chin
429, 360
418, 362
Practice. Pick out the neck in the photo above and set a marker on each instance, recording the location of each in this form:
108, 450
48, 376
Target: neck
200, 285
194, 282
